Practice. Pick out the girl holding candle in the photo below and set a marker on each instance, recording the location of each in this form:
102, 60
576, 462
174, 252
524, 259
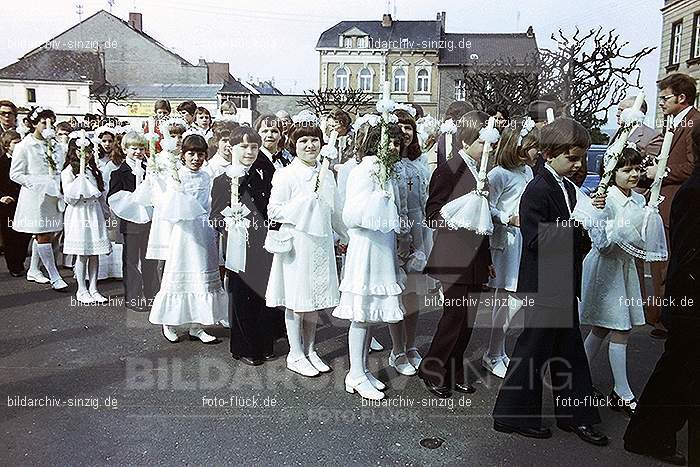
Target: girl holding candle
85, 233
303, 277
507, 181
370, 290
611, 297
190, 295
35, 166
239, 210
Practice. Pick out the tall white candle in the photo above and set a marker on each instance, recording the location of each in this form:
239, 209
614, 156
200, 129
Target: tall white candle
638, 101
326, 162
485, 154
448, 146
151, 125
82, 153
661, 168
550, 115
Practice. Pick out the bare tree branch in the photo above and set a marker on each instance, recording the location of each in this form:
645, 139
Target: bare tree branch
322, 101
110, 94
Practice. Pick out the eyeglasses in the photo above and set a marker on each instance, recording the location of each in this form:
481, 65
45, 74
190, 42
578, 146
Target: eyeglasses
666, 98
6, 114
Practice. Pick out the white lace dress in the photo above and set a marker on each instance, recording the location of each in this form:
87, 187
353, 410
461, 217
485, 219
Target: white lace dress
304, 278
156, 182
191, 289
371, 289
610, 295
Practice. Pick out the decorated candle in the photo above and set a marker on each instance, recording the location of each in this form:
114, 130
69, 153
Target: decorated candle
82, 152
661, 168
550, 115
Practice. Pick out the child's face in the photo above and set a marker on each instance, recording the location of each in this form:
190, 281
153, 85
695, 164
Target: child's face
43, 124
475, 150
407, 133
203, 120
394, 147
194, 159
178, 140
245, 152
189, 118
336, 125
135, 152
62, 136
567, 164
627, 177
224, 148
307, 148
161, 113
270, 136
107, 142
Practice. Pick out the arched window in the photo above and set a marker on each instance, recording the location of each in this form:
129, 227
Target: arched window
422, 80
341, 78
365, 78
399, 80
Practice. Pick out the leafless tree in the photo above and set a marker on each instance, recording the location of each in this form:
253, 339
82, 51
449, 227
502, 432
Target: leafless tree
322, 101
107, 93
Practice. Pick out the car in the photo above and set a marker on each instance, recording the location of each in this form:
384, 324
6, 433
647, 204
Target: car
594, 159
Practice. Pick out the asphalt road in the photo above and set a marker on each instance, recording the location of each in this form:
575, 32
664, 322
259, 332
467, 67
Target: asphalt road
119, 393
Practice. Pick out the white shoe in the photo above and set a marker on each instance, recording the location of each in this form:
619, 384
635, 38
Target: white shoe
494, 365
225, 323
303, 367
414, 357
38, 277
375, 346
98, 297
59, 285
197, 333
317, 363
375, 382
170, 334
84, 297
401, 364
363, 387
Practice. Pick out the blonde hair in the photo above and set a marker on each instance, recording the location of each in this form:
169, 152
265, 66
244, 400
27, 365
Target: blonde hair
133, 138
507, 151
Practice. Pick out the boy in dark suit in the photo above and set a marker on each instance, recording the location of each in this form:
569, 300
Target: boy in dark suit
460, 260
550, 273
252, 323
141, 277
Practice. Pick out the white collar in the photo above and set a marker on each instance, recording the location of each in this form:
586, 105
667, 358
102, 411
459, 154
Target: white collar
557, 177
220, 160
681, 115
467, 158
133, 163
307, 171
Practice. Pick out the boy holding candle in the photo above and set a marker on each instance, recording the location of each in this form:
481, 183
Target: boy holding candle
550, 273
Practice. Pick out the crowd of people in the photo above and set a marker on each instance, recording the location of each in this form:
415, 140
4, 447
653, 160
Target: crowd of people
260, 228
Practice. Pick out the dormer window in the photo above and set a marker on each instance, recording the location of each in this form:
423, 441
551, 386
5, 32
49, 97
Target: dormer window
361, 42
347, 42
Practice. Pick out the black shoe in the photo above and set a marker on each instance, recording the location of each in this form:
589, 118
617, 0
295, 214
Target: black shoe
465, 388
657, 333
674, 457
248, 361
443, 392
618, 404
539, 433
18, 273
586, 433
598, 394
270, 356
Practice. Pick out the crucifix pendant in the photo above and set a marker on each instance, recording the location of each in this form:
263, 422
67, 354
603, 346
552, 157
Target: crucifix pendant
410, 184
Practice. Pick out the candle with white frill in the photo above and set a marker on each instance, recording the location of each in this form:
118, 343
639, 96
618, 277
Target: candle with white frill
662, 163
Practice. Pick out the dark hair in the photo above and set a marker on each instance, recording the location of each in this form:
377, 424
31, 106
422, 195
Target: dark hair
494, 109
469, 126
628, 156
537, 110
561, 136
46, 113
195, 143
64, 126
413, 149
419, 111
680, 83
270, 121
8, 136
374, 139
299, 130
73, 160
202, 110
189, 106
457, 109
244, 132
10, 104
100, 150
342, 116
217, 135
162, 104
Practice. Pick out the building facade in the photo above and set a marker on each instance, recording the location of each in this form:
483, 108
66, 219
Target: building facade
680, 38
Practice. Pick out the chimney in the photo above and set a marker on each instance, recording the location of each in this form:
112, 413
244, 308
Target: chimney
136, 21
202, 62
441, 17
530, 32
386, 20
217, 72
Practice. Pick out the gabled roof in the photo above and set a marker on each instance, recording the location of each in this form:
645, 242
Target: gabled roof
174, 91
125, 24
233, 86
57, 65
266, 88
409, 35
487, 48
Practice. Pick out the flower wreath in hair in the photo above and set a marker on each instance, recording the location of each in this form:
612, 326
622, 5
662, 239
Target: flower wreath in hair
408, 108
528, 126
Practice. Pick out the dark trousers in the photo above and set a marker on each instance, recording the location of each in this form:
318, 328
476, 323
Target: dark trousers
252, 323
519, 401
671, 397
443, 365
16, 243
142, 276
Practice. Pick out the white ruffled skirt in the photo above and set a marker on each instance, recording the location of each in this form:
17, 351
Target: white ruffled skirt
85, 232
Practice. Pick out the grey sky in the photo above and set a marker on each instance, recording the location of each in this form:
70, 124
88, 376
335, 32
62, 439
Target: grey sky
277, 38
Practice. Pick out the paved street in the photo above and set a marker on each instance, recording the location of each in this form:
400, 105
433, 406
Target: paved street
127, 396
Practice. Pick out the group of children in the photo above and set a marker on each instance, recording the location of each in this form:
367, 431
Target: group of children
243, 226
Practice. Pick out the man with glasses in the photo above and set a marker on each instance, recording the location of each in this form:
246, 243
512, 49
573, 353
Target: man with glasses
8, 116
676, 98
